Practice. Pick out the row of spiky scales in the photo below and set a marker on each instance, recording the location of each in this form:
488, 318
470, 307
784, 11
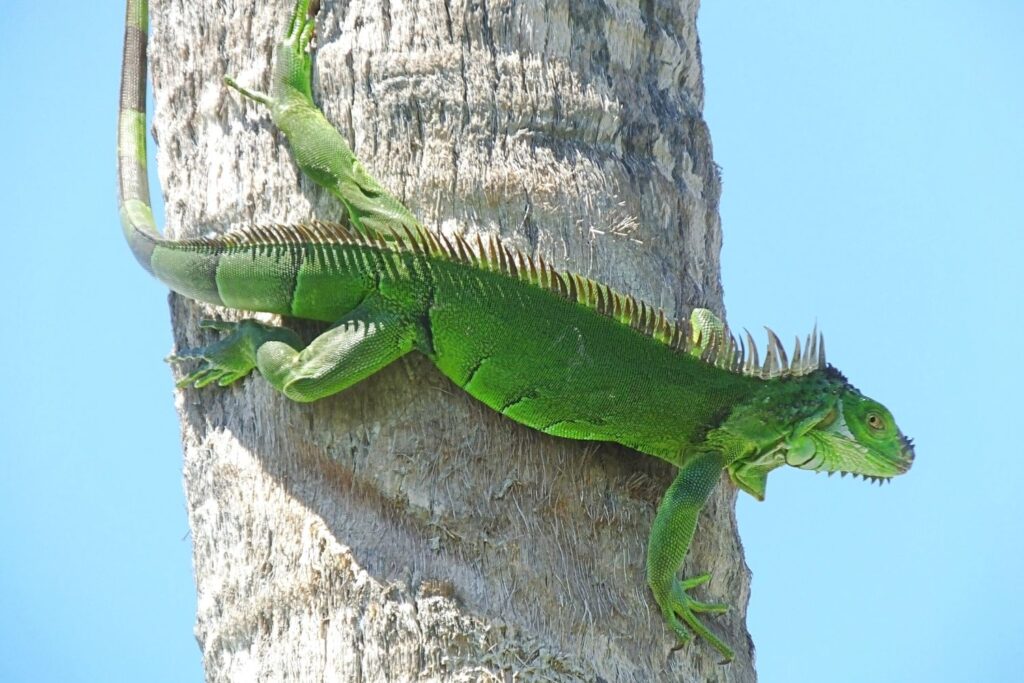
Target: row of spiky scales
704, 336
707, 339
869, 478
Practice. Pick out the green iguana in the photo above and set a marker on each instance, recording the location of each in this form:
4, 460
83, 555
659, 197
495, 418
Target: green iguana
487, 316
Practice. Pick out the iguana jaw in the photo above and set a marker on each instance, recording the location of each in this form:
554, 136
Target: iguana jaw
832, 446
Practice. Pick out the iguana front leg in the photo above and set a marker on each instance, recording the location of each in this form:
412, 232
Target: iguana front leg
366, 340
319, 149
670, 539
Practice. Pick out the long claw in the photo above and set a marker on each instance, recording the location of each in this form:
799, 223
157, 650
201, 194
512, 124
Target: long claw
220, 325
190, 379
687, 584
299, 15
709, 607
234, 355
207, 377
306, 36
713, 640
680, 606
229, 378
256, 95
683, 635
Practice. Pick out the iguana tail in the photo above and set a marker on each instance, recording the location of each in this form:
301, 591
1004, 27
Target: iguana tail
133, 184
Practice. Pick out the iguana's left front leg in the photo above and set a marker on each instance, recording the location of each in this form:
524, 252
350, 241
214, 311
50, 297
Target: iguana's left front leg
670, 539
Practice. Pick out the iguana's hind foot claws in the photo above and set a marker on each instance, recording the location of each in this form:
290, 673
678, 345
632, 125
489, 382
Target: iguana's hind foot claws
680, 605
293, 66
302, 24
232, 357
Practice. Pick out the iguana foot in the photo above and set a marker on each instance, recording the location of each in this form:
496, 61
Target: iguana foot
293, 65
234, 356
678, 604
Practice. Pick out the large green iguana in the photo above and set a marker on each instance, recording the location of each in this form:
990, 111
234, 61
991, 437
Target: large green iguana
486, 315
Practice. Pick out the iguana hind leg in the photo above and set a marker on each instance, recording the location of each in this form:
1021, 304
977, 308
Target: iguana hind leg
319, 149
233, 356
365, 341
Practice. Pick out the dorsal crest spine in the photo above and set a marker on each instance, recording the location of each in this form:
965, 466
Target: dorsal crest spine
702, 336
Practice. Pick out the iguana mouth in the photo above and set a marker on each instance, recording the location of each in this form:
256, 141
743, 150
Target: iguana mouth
906, 460
907, 451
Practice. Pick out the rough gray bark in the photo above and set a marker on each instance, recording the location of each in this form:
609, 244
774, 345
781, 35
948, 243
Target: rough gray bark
400, 530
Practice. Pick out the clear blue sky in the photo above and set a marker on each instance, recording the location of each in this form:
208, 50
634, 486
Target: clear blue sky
871, 155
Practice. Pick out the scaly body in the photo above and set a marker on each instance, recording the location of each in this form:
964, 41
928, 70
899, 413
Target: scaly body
554, 351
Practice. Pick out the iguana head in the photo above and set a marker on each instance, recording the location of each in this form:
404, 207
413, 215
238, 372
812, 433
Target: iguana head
855, 435
822, 423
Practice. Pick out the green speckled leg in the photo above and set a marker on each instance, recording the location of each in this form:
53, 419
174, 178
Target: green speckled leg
670, 539
368, 339
354, 349
319, 149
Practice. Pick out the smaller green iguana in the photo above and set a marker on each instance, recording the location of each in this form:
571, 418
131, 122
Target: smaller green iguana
487, 316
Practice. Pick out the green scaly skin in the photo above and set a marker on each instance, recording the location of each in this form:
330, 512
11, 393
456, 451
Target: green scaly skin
554, 351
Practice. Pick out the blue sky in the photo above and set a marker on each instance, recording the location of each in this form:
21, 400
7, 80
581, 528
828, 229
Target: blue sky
871, 156
872, 162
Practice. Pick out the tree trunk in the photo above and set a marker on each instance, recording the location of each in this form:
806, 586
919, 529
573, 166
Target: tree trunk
400, 530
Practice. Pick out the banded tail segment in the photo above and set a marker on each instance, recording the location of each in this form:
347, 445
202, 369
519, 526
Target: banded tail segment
188, 272
136, 214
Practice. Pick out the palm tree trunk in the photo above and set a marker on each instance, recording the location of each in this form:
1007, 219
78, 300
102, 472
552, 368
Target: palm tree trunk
400, 530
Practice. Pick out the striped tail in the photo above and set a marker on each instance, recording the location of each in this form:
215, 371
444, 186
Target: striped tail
136, 214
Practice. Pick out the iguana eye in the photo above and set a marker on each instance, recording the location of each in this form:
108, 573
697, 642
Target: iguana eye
875, 421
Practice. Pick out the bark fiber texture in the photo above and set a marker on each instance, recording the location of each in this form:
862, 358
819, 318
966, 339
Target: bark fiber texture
400, 530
